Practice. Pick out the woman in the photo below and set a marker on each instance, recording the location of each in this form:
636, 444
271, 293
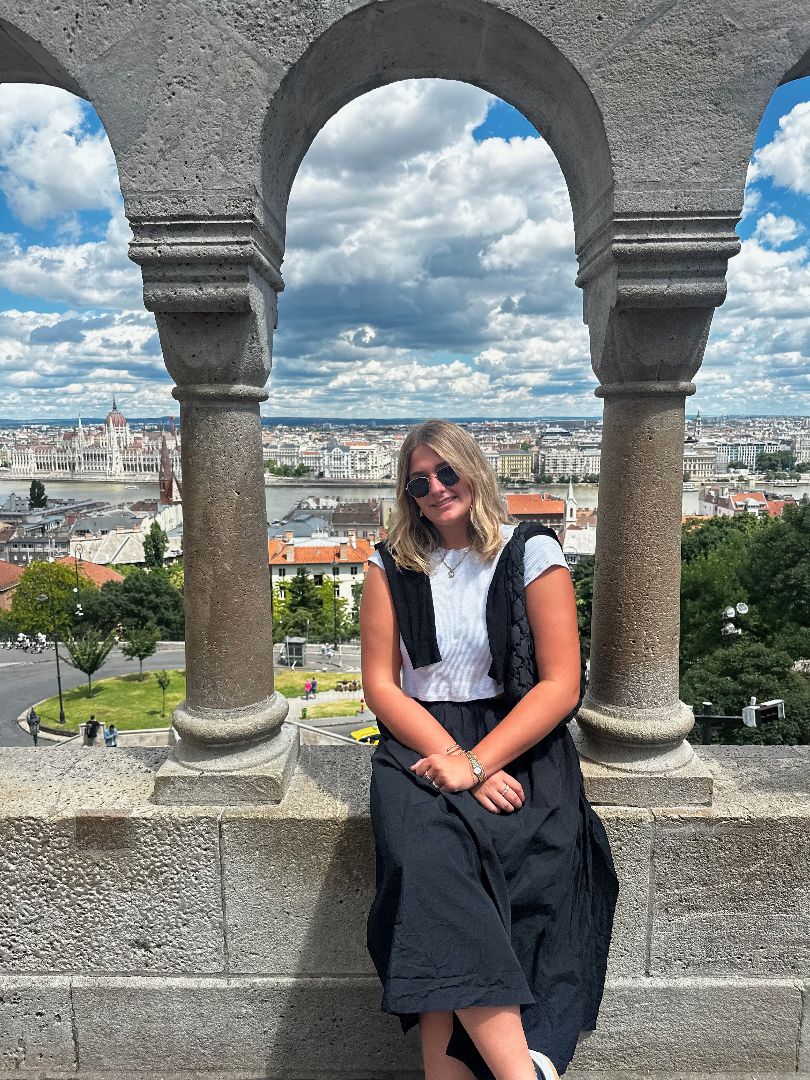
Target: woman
495, 882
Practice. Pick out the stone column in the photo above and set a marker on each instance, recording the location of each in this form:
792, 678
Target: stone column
213, 289
651, 286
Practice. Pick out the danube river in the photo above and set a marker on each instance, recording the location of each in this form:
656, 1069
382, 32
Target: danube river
281, 499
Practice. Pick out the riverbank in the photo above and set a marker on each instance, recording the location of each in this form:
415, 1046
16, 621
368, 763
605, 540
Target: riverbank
319, 481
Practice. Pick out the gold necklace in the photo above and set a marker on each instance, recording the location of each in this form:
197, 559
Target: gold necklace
451, 570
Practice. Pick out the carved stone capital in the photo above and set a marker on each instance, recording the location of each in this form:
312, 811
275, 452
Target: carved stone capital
213, 284
651, 285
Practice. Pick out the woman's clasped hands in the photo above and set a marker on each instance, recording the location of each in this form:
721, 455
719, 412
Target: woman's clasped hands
452, 773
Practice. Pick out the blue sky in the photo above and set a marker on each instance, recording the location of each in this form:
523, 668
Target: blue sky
429, 268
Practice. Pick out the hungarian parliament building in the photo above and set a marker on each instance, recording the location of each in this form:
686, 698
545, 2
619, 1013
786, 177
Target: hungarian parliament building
109, 451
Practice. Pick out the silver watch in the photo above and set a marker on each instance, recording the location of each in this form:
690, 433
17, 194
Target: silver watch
476, 766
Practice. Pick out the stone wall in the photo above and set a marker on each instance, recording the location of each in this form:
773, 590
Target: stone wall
230, 942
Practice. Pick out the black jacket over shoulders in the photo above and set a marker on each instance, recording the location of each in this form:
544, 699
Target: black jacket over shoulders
511, 643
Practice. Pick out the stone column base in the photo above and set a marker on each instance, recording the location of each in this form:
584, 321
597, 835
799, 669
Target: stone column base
637, 783
179, 783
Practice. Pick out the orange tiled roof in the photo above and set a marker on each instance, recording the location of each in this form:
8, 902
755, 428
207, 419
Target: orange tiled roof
742, 496
323, 554
776, 507
97, 573
534, 504
9, 575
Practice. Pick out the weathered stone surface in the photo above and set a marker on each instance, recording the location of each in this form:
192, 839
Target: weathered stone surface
74, 778
36, 1029
109, 891
298, 879
714, 886
716, 1025
629, 831
690, 785
296, 895
750, 779
804, 1034
273, 1027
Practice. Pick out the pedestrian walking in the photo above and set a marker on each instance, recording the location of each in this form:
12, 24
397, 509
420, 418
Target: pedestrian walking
33, 724
91, 729
314, 687
307, 689
111, 735
495, 882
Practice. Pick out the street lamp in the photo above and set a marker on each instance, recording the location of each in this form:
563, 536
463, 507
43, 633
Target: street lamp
729, 629
335, 587
272, 616
77, 562
43, 598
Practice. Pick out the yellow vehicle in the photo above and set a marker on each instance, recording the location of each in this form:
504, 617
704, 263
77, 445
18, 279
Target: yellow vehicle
369, 734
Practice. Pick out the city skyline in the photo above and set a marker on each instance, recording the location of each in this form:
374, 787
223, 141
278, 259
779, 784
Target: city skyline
430, 263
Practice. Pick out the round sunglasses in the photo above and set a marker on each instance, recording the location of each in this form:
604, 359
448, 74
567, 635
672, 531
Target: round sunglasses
419, 486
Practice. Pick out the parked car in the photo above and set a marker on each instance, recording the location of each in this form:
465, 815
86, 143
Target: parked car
368, 734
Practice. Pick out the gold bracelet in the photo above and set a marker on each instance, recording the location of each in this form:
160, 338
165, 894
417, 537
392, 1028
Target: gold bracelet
452, 749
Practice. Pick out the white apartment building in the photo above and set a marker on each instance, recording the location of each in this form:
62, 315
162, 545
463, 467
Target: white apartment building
746, 452
355, 460
570, 460
800, 445
700, 463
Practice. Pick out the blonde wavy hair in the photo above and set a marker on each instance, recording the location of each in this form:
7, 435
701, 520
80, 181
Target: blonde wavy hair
413, 538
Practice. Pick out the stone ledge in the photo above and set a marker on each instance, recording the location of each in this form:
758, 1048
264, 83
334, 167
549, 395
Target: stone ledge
218, 1027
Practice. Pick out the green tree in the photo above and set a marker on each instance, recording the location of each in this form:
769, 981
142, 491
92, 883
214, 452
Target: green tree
583, 590
88, 653
781, 460
57, 582
143, 598
154, 547
304, 615
709, 584
699, 537
777, 572
176, 575
335, 612
140, 642
357, 595
280, 609
730, 677
37, 499
163, 682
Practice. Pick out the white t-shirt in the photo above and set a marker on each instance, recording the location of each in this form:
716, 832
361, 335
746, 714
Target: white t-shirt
459, 606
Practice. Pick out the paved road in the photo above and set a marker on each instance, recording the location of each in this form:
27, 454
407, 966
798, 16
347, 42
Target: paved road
25, 679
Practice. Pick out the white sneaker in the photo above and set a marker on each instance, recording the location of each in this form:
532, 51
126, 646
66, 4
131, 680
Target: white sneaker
543, 1066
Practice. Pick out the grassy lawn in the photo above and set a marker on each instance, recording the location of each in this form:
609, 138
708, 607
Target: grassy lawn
124, 701
131, 704
291, 683
332, 708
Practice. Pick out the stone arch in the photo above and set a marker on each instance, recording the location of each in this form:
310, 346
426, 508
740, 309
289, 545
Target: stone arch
24, 60
800, 70
466, 40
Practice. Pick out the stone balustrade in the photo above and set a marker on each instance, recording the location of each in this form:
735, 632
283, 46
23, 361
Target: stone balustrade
229, 942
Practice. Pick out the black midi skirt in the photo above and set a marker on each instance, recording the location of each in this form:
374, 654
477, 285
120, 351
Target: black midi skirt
478, 908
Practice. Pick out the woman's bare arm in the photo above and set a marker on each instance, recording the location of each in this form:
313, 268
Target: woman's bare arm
552, 611
381, 661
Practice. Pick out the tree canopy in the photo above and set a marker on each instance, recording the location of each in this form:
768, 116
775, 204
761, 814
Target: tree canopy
55, 581
139, 643
764, 562
143, 598
154, 547
88, 652
37, 499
